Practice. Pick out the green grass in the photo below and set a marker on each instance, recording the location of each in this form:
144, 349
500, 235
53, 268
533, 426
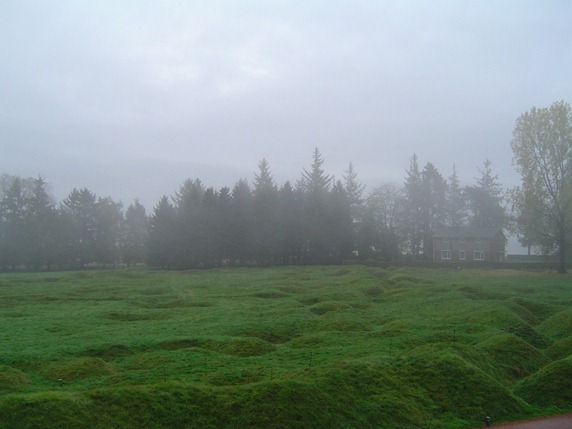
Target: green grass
300, 347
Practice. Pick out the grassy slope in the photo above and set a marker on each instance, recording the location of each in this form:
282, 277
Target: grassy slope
282, 347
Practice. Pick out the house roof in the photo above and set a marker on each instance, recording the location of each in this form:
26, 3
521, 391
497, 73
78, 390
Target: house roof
467, 232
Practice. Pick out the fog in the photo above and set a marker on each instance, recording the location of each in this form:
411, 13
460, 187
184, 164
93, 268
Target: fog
130, 99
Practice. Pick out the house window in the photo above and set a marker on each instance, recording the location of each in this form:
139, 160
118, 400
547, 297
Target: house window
445, 254
461, 255
479, 255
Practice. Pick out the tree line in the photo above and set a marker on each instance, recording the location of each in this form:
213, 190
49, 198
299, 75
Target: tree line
316, 220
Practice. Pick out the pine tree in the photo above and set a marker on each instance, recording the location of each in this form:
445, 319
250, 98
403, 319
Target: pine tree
456, 202
134, 237
433, 212
413, 195
80, 211
265, 213
163, 234
485, 199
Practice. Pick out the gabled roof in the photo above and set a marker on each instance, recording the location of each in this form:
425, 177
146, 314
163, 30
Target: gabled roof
468, 232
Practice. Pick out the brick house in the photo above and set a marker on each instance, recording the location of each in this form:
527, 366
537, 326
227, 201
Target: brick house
469, 244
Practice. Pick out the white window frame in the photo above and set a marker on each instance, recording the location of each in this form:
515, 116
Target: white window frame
480, 253
462, 255
445, 252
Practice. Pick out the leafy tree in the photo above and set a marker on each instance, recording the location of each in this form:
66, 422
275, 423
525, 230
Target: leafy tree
542, 147
378, 236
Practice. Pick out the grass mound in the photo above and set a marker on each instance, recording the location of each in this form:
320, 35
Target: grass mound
380, 395
180, 344
516, 356
12, 379
560, 349
133, 317
240, 347
324, 307
539, 310
558, 326
300, 347
342, 323
270, 294
456, 386
551, 385
78, 368
108, 353
505, 318
273, 333
374, 291
402, 277
47, 410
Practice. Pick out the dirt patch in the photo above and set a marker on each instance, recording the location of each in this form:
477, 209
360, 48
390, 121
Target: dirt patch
557, 422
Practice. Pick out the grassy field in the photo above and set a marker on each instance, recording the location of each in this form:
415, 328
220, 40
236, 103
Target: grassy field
293, 347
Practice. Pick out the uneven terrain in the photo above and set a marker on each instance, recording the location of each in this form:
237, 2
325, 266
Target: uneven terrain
300, 347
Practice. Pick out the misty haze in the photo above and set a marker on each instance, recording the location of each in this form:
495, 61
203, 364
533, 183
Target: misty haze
285, 214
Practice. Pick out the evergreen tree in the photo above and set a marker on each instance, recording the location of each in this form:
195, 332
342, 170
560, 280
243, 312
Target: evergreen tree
265, 212
485, 199
40, 240
240, 247
456, 203
209, 230
354, 189
433, 212
134, 237
340, 224
108, 222
316, 185
13, 209
163, 235
189, 242
315, 181
79, 209
225, 219
412, 209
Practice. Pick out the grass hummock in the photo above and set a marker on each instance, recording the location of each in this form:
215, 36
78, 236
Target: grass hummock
298, 347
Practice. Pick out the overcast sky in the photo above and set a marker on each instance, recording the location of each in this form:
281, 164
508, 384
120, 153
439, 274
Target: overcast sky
130, 98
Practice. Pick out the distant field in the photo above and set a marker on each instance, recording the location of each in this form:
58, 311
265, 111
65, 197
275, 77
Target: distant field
292, 347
